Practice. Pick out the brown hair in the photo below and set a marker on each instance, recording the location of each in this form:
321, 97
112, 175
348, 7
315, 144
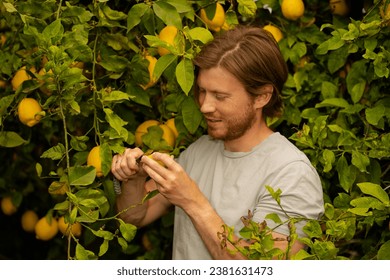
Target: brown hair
252, 55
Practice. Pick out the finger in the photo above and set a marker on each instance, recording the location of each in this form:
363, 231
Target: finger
165, 158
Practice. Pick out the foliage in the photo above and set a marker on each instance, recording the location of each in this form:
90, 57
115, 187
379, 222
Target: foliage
93, 53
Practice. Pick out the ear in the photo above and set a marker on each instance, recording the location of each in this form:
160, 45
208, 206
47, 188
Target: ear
264, 96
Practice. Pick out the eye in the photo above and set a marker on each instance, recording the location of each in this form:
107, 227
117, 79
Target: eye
220, 97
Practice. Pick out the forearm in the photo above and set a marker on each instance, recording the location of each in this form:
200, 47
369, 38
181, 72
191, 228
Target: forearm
209, 224
128, 203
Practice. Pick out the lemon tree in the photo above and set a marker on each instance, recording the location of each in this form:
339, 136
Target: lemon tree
93, 74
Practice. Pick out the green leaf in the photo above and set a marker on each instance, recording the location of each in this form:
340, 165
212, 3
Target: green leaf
274, 217
247, 8
345, 174
384, 251
81, 175
374, 190
192, 117
275, 194
83, 254
149, 195
185, 75
367, 202
375, 114
53, 32
103, 248
360, 160
313, 229
167, 13
201, 34
333, 102
329, 159
10, 139
360, 211
55, 153
116, 122
162, 64
135, 14
128, 231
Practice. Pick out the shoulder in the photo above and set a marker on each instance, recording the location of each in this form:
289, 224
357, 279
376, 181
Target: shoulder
204, 146
279, 149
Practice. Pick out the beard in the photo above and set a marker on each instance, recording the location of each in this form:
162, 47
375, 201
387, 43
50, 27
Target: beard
234, 127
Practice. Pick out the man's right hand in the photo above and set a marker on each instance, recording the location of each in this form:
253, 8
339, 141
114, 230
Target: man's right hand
125, 166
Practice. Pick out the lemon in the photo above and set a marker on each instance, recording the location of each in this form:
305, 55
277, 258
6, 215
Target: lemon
293, 9
28, 110
29, 220
171, 124
218, 20
20, 76
168, 135
95, 160
7, 206
46, 229
142, 129
152, 63
339, 7
275, 31
65, 228
167, 34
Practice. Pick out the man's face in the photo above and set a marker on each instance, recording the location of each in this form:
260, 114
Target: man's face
225, 104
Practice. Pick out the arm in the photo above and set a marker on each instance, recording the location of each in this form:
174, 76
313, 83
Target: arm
134, 188
179, 189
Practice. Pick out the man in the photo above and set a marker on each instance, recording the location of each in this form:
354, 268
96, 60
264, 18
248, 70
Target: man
222, 175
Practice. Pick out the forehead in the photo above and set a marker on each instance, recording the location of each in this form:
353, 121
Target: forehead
218, 79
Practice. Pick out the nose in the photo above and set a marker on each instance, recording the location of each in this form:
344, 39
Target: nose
206, 103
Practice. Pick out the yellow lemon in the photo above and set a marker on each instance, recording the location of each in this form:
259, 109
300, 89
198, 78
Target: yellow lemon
95, 160
218, 20
142, 129
29, 220
20, 76
65, 228
28, 110
275, 31
339, 7
152, 63
293, 9
46, 229
7, 206
168, 135
167, 34
171, 124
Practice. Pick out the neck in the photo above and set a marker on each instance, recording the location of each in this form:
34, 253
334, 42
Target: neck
254, 136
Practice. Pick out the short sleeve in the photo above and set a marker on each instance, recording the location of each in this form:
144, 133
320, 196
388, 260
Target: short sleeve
301, 196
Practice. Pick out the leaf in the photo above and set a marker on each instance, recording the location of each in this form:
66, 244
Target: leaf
53, 32
360, 160
247, 8
55, 153
329, 159
345, 174
367, 202
10, 139
128, 231
191, 115
103, 248
135, 14
384, 251
201, 34
167, 13
274, 217
275, 194
374, 190
162, 64
333, 102
313, 229
116, 122
149, 195
185, 75
82, 175
83, 254
375, 114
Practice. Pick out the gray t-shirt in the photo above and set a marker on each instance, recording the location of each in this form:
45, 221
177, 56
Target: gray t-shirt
234, 182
